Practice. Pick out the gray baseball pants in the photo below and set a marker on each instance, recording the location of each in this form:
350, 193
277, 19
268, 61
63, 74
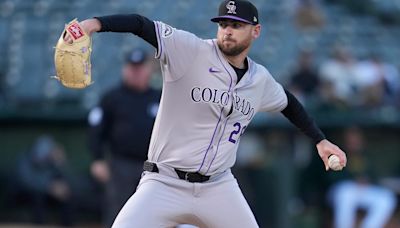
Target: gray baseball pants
164, 200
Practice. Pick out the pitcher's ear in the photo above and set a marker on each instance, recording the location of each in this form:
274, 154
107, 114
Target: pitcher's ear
256, 31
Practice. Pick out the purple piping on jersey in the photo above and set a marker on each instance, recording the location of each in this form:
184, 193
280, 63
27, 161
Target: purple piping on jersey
159, 41
219, 58
220, 114
212, 139
216, 152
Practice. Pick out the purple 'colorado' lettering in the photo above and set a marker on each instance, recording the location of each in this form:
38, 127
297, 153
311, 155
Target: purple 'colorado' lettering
244, 106
209, 95
206, 93
237, 100
251, 114
220, 97
195, 90
215, 96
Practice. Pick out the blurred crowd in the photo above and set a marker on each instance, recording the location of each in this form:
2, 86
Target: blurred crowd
42, 179
345, 82
44, 187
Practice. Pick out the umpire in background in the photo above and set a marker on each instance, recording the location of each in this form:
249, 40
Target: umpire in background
121, 125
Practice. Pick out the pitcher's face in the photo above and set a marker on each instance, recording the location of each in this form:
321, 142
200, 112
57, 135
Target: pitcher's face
234, 37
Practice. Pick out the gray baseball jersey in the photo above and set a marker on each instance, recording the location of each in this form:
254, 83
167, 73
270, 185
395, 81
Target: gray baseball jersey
204, 109
203, 112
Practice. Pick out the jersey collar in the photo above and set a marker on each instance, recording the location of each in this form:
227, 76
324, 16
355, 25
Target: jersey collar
246, 77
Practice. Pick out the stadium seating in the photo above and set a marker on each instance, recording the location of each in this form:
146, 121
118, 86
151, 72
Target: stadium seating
29, 29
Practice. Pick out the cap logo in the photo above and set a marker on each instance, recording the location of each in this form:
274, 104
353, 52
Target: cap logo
231, 7
255, 19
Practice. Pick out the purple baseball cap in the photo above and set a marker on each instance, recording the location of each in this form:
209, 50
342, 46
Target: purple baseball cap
239, 10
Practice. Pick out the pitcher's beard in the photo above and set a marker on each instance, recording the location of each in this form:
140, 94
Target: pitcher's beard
234, 50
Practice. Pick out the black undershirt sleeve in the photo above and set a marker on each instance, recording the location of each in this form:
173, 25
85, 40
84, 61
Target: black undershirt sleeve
296, 114
130, 23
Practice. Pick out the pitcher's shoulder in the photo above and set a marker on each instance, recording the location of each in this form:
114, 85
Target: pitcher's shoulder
209, 44
259, 70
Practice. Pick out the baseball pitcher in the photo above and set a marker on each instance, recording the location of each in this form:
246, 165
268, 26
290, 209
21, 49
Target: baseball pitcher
211, 92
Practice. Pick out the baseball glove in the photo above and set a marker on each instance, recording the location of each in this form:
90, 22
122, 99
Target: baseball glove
72, 60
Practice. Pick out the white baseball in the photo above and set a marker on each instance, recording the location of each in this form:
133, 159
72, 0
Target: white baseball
334, 163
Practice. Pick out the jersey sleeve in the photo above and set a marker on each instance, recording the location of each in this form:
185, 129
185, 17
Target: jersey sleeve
274, 98
177, 50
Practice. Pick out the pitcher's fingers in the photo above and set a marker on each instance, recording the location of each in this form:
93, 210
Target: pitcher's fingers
343, 160
326, 163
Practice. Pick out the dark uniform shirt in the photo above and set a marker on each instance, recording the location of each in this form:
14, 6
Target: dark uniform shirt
123, 122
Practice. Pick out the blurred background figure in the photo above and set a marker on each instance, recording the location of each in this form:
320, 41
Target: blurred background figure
338, 75
378, 82
251, 163
308, 15
120, 130
42, 175
304, 81
357, 188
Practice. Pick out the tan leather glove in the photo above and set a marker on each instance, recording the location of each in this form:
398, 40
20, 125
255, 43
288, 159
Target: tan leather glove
72, 60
